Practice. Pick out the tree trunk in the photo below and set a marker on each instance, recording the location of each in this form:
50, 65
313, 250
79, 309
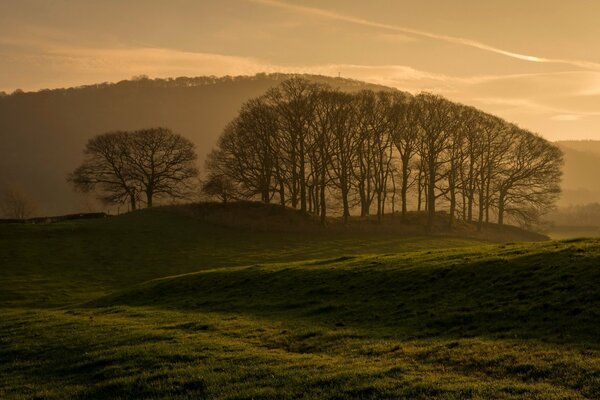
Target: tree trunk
501, 210
323, 206
431, 196
345, 204
132, 201
404, 191
302, 180
282, 194
480, 218
452, 206
420, 191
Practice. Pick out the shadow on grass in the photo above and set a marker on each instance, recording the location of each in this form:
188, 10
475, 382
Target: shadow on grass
549, 296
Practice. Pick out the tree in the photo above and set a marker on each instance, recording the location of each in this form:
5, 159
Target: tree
219, 186
123, 165
343, 148
15, 204
162, 163
106, 170
528, 183
247, 152
294, 102
494, 145
404, 128
436, 118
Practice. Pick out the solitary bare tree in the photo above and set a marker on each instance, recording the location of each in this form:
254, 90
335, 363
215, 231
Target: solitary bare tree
15, 204
106, 170
162, 163
123, 165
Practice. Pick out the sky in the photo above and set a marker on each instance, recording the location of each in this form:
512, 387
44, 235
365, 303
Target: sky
533, 62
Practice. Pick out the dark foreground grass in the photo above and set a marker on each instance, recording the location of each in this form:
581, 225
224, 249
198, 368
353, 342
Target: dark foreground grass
114, 313
74, 261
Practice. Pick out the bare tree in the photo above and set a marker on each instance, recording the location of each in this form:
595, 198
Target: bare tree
16, 204
162, 163
494, 145
105, 169
343, 149
436, 119
122, 165
248, 153
403, 124
468, 123
294, 102
219, 186
528, 183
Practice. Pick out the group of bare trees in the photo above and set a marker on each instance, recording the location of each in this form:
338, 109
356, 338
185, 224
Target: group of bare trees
137, 167
318, 149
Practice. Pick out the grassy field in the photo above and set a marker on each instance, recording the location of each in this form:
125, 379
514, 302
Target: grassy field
157, 304
564, 232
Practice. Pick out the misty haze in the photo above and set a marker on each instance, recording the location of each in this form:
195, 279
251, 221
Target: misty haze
277, 199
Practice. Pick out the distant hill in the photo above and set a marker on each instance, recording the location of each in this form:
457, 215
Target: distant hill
43, 133
581, 171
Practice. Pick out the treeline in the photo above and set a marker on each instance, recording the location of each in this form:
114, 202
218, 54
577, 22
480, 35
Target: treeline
145, 82
317, 149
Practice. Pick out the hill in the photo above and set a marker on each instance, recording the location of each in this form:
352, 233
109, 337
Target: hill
165, 304
43, 133
582, 167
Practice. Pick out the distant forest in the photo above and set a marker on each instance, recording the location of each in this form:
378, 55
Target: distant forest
313, 147
43, 133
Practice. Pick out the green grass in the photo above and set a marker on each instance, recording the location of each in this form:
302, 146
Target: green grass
565, 232
159, 305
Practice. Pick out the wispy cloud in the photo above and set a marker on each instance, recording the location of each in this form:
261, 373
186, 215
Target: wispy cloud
322, 13
566, 117
529, 99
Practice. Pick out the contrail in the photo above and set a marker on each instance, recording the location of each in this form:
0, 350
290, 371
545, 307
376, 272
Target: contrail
449, 39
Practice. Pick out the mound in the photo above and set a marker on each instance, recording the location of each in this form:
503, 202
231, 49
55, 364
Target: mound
260, 217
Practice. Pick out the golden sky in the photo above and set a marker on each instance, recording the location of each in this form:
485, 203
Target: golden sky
533, 62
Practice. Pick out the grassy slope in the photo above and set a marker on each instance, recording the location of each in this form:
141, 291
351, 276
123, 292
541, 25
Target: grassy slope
307, 316
69, 262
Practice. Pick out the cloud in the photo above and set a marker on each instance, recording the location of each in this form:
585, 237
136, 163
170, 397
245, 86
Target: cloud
566, 117
321, 13
396, 38
529, 99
